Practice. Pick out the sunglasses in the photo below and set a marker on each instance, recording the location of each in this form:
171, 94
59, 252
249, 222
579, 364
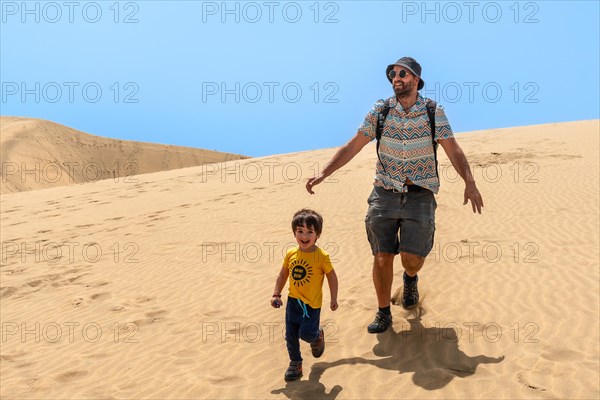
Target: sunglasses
402, 73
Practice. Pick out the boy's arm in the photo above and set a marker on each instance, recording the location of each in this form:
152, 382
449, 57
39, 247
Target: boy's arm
279, 284
332, 281
281, 280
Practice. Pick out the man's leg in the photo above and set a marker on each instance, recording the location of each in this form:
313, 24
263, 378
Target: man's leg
382, 223
383, 276
412, 264
417, 229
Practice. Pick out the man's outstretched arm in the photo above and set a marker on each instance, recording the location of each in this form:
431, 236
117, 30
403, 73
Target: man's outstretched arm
339, 159
461, 165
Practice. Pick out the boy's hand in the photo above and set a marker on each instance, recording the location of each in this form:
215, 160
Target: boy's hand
334, 305
276, 302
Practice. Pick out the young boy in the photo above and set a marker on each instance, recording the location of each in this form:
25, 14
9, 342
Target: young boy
305, 266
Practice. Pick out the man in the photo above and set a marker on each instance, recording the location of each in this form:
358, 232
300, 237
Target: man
401, 214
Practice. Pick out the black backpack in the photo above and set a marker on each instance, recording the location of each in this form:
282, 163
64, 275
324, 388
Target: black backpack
431, 106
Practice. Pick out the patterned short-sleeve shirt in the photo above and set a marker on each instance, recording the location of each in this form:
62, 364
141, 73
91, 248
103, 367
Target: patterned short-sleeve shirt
405, 148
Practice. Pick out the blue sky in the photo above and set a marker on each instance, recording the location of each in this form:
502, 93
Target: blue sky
270, 77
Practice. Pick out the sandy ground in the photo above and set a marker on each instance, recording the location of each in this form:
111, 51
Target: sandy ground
159, 286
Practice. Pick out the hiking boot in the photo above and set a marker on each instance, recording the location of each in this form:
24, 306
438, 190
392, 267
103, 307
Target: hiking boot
294, 371
318, 346
410, 296
381, 323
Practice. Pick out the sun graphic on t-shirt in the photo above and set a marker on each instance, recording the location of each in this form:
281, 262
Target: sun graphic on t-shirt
300, 272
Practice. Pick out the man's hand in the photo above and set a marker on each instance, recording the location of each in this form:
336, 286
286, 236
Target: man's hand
313, 182
472, 193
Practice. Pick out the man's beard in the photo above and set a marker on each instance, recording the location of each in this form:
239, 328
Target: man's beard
404, 90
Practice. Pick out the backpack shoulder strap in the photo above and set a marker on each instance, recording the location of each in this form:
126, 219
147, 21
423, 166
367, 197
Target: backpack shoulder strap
379, 128
431, 107
381, 118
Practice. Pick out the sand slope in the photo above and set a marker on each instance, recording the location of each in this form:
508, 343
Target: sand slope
39, 154
160, 288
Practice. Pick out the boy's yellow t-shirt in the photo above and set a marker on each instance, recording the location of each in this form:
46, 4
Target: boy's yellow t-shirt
306, 274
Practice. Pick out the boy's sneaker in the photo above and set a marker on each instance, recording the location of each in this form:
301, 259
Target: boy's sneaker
381, 323
410, 296
318, 346
294, 371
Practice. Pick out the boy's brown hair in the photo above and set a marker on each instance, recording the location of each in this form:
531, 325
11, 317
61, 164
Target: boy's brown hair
308, 218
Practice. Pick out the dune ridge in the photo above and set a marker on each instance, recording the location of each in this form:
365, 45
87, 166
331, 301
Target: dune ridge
161, 286
38, 154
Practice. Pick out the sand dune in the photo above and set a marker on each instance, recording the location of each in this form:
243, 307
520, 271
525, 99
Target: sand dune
38, 154
160, 288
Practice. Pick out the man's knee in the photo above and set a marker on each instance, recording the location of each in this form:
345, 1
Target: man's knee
412, 261
383, 260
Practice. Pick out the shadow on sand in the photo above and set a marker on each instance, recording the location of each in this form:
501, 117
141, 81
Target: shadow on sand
431, 353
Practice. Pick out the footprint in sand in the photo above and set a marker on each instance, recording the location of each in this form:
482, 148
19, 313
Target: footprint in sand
100, 296
77, 301
34, 283
71, 376
524, 381
151, 317
140, 300
7, 291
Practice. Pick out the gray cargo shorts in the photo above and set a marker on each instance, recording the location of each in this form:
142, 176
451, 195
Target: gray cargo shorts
401, 222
